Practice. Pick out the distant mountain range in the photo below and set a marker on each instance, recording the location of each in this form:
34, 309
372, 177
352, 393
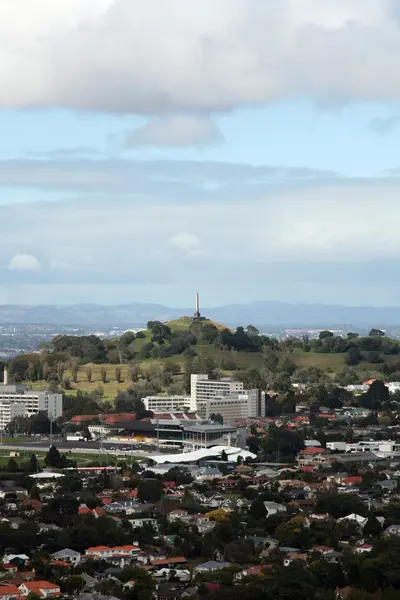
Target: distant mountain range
260, 314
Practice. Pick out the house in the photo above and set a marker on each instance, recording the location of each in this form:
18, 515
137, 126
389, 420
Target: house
96, 512
210, 565
273, 508
353, 517
136, 523
10, 557
212, 499
363, 548
253, 570
127, 550
203, 523
10, 568
9, 592
392, 530
169, 562
176, 515
67, 555
98, 552
43, 589
295, 556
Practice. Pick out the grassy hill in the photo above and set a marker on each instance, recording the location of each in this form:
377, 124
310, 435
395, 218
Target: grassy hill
330, 364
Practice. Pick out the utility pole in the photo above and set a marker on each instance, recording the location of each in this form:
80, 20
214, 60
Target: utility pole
51, 429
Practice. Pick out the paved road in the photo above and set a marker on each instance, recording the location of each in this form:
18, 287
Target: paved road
72, 447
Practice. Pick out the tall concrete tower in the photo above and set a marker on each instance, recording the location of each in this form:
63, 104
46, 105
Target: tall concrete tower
197, 310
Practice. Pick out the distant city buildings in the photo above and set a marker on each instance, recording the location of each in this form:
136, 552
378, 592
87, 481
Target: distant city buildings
18, 401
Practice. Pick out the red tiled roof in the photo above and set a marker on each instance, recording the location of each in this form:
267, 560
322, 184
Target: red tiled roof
10, 590
82, 418
312, 451
166, 561
97, 549
352, 480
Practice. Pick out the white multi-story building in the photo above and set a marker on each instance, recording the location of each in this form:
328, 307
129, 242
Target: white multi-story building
249, 403
203, 389
207, 396
168, 403
17, 400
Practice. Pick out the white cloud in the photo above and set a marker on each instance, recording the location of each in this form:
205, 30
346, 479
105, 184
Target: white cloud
24, 262
175, 131
187, 243
157, 56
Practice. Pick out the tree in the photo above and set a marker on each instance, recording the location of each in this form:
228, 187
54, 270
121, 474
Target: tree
353, 356
376, 396
376, 333
251, 330
325, 334
372, 527
103, 375
60, 370
134, 373
150, 490
88, 372
224, 456
46, 371
217, 418
12, 466
53, 458
118, 374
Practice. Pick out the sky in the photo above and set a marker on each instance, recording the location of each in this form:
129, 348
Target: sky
245, 149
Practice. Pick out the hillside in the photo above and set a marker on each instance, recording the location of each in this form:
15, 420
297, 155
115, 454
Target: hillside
157, 359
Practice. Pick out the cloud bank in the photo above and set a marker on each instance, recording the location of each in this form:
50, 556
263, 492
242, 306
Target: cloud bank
159, 57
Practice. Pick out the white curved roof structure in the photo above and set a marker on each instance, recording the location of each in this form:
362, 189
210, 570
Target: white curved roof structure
203, 453
46, 475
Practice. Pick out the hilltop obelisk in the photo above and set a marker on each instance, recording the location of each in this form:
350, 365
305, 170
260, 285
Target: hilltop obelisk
197, 310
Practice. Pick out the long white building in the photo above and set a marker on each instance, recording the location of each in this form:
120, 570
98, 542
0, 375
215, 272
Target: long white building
168, 403
17, 400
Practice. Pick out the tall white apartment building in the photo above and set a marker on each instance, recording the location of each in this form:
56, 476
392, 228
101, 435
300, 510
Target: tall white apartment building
203, 389
17, 400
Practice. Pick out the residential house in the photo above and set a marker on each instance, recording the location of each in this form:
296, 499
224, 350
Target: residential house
295, 556
98, 552
43, 589
210, 565
136, 523
170, 562
273, 508
9, 592
67, 555
392, 530
353, 517
212, 499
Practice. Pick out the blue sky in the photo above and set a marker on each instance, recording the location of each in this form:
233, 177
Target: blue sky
246, 150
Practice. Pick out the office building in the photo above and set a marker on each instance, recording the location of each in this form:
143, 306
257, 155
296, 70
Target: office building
18, 401
203, 389
243, 405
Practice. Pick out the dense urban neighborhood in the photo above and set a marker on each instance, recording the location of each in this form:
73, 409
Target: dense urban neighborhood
272, 482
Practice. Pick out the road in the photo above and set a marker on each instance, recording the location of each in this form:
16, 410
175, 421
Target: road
73, 447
